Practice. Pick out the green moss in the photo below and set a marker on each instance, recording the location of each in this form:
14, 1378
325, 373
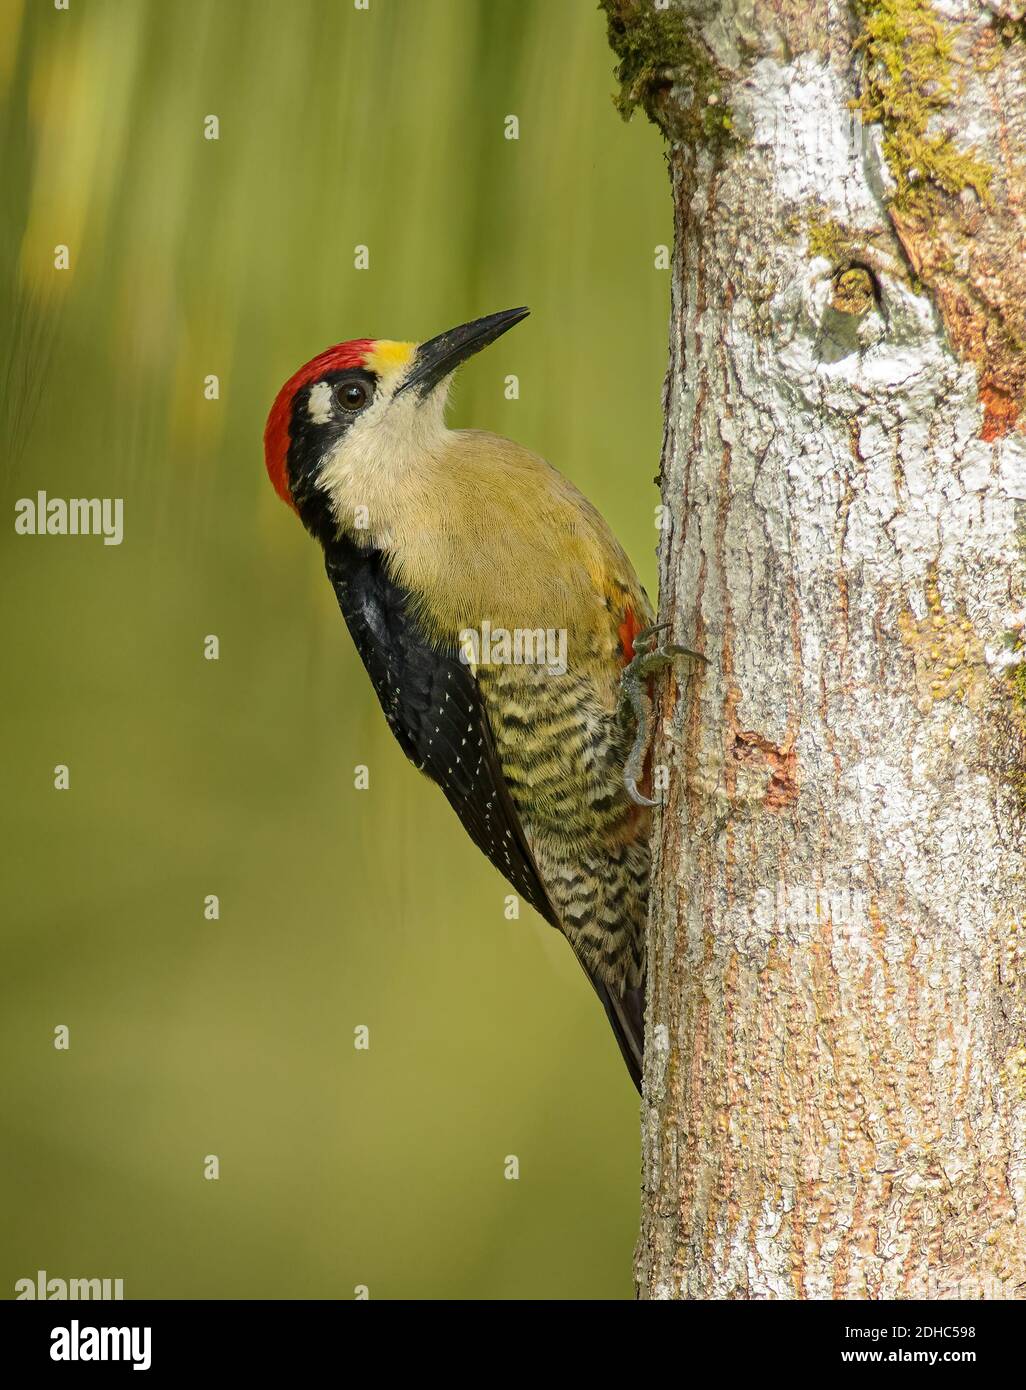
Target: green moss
657, 48
1019, 687
827, 238
909, 80
854, 289
1019, 705
1017, 684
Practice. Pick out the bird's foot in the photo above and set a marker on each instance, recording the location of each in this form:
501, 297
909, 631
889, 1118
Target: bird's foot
649, 657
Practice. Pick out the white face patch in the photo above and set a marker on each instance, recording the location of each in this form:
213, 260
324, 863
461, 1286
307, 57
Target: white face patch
383, 451
319, 403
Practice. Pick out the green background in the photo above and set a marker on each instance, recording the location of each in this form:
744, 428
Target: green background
339, 907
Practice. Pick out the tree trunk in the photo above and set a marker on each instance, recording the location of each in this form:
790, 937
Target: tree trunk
835, 1087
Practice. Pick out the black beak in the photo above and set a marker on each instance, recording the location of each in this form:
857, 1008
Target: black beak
439, 356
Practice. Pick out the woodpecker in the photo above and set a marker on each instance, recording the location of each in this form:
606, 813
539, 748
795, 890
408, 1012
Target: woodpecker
432, 535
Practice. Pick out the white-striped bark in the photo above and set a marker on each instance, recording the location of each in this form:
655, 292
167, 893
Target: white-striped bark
836, 1043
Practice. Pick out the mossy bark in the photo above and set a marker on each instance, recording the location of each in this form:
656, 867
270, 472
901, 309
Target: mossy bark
835, 1091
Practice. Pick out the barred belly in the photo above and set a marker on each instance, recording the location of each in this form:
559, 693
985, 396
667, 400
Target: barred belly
562, 755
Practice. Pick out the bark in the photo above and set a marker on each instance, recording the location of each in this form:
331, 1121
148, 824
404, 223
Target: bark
835, 1080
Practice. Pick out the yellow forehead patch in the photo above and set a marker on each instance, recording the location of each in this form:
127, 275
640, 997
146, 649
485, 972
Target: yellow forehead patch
386, 357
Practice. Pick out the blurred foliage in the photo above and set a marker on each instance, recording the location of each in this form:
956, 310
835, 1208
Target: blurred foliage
188, 257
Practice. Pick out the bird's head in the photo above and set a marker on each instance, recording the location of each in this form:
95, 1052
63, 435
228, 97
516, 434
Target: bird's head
354, 419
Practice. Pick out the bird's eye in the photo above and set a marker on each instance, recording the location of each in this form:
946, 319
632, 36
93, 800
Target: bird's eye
352, 395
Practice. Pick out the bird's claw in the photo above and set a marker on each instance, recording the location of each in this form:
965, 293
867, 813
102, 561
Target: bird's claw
649, 657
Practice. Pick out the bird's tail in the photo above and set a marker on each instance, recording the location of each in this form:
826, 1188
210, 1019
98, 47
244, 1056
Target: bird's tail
626, 1014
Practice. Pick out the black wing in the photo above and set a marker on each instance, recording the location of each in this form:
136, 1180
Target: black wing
433, 706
